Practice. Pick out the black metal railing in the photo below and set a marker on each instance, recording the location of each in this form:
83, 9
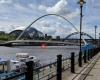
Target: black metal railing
51, 70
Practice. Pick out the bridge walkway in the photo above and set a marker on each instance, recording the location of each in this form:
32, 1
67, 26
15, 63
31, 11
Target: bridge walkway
89, 71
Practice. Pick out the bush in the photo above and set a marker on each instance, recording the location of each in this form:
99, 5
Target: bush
6, 37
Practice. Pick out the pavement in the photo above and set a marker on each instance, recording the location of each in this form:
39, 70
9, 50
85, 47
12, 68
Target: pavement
89, 71
95, 72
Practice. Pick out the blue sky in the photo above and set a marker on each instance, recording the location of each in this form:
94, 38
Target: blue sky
16, 13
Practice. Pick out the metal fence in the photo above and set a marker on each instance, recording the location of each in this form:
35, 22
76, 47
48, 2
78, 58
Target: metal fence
50, 71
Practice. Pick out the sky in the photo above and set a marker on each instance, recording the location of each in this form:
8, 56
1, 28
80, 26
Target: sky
20, 13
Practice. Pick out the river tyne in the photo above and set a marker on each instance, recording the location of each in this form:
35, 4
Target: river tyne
45, 55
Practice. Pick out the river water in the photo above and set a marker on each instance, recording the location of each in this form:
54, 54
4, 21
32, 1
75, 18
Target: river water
46, 55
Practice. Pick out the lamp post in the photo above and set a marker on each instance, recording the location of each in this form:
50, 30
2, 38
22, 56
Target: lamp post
81, 2
95, 33
99, 39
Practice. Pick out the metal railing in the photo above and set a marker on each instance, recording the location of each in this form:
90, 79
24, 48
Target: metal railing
51, 70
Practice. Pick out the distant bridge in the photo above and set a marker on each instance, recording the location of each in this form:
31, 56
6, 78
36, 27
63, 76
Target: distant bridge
70, 38
38, 43
75, 33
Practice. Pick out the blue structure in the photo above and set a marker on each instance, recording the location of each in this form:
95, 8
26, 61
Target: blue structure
87, 47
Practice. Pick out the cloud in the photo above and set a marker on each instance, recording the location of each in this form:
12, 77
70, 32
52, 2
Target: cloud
56, 9
32, 6
20, 7
5, 1
57, 29
53, 28
73, 14
22, 12
42, 8
97, 3
45, 27
60, 8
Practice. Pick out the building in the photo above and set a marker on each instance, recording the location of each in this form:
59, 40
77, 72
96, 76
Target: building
58, 38
30, 33
48, 37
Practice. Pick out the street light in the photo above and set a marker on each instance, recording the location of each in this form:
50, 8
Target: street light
99, 39
95, 33
81, 2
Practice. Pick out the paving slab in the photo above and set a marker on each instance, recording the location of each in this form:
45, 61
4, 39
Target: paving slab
94, 74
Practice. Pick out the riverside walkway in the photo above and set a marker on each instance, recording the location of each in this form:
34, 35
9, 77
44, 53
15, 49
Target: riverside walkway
89, 71
62, 68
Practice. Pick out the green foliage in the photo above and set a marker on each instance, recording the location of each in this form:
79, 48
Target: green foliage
6, 37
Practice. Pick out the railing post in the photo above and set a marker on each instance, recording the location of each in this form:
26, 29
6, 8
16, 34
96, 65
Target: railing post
88, 55
85, 58
29, 70
97, 51
80, 59
59, 67
93, 52
73, 62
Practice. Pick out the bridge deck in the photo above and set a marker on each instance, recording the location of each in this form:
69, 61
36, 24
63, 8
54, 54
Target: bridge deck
43, 41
